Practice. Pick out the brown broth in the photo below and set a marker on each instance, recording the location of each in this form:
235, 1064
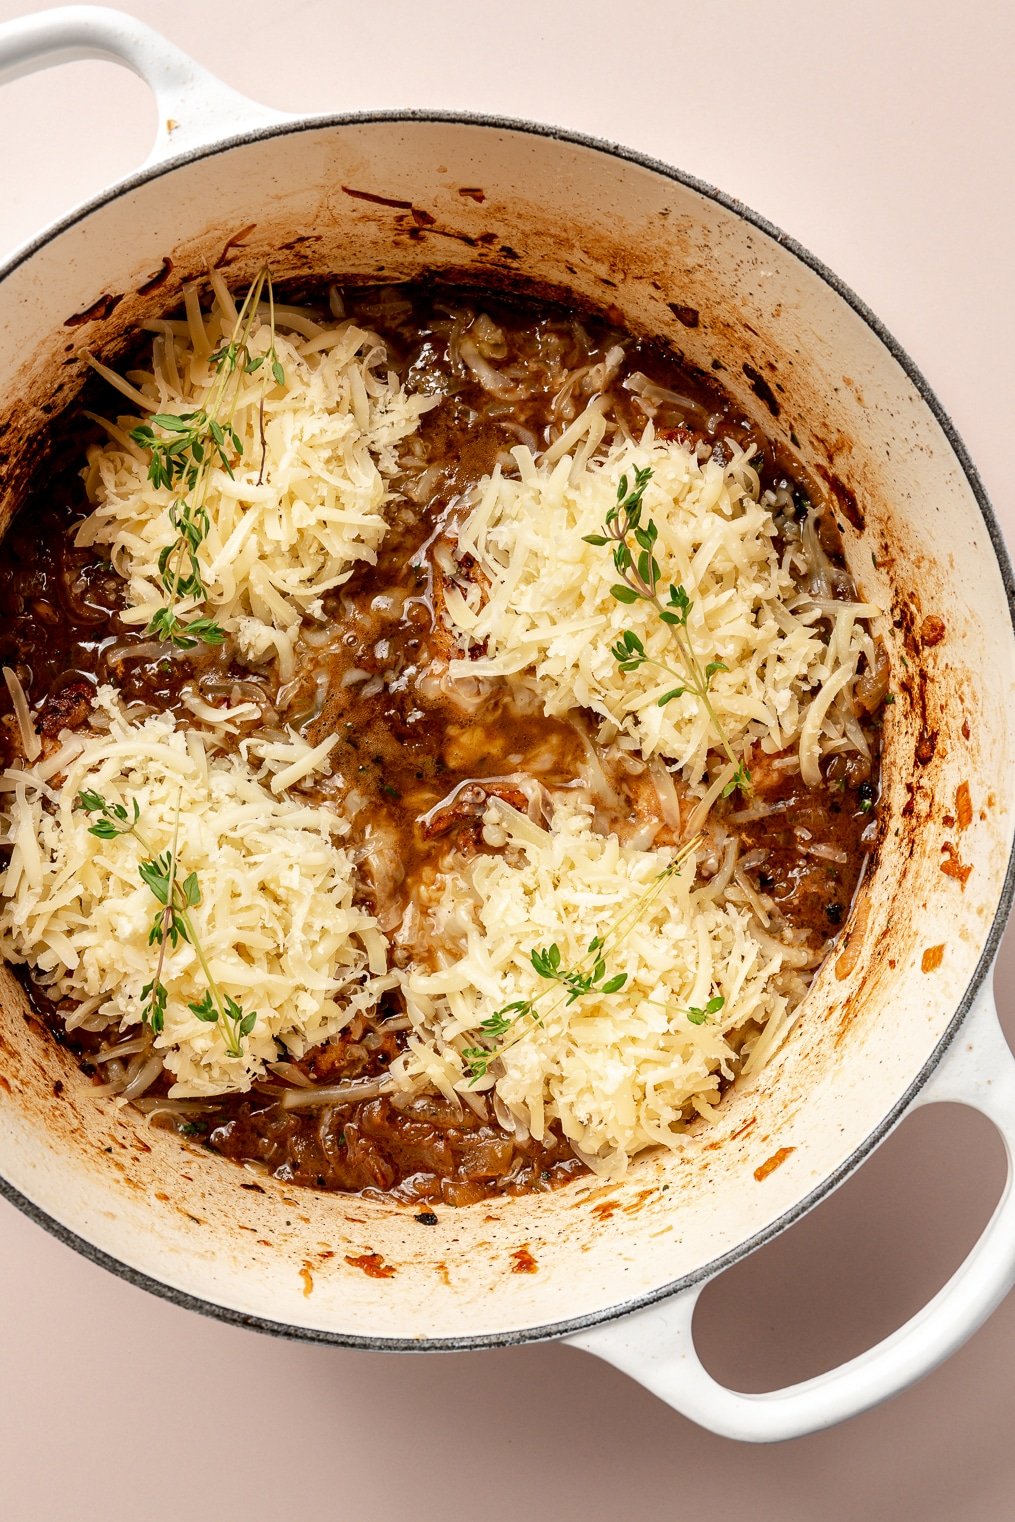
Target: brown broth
421, 766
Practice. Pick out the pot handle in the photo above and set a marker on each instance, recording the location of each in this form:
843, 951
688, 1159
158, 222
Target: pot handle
656, 1345
194, 108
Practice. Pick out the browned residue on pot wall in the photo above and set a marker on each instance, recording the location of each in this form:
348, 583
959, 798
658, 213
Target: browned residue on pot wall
372, 1264
97, 312
158, 279
762, 390
953, 866
932, 631
963, 806
687, 315
844, 498
771, 1163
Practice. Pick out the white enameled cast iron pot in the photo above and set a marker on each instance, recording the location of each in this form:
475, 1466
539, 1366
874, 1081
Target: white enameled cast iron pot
901, 1016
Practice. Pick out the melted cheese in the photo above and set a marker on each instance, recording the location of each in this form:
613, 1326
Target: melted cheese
276, 920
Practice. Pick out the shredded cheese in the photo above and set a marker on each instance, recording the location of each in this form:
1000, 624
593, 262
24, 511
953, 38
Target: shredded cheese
280, 535
541, 602
619, 1071
276, 921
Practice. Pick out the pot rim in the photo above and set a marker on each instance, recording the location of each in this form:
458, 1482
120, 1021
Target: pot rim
710, 1270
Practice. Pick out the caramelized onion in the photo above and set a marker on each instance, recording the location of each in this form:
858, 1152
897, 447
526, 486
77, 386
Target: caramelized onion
872, 687
490, 379
640, 385
30, 741
141, 650
351, 1093
82, 612
142, 1075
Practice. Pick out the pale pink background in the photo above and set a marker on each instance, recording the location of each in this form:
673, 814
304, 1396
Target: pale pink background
880, 133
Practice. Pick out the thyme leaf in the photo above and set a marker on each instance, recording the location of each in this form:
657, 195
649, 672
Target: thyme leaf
577, 983
699, 1016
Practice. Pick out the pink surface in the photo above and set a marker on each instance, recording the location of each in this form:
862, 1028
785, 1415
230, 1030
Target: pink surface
881, 135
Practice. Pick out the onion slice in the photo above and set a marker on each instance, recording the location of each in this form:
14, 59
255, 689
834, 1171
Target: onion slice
29, 739
336, 1094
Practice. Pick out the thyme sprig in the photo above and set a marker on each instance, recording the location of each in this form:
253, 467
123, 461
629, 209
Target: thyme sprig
172, 922
590, 976
577, 983
184, 448
640, 574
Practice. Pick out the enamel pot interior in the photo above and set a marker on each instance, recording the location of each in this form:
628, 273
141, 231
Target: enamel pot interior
387, 199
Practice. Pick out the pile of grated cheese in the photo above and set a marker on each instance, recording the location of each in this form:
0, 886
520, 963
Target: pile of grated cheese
281, 536
541, 603
618, 1071
276, 920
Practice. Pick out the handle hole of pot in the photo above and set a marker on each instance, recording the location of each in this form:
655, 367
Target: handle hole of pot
860, 1265
70, 131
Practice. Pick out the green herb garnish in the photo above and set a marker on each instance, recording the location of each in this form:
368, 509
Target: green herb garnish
503, 1028
640, 573
172, 923
547, 964
183, 450
699, 1016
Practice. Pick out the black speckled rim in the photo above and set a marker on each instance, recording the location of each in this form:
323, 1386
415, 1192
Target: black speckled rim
568, 1327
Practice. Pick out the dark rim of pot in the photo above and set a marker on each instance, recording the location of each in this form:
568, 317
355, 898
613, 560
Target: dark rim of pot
567, 1327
